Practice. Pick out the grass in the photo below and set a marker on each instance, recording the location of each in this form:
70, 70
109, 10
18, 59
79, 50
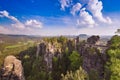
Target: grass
20, 44
13, 46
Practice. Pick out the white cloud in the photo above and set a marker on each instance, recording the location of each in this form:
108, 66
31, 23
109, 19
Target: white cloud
6, 14
18, 24
76, 8
109, 20
85, 19
92, 16
65, 3
33, 23
95, 7
66, 29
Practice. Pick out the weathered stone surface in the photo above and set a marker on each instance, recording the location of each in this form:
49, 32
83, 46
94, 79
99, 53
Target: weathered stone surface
93, 39
12, 69
70, 46
93, 58
42, 48
48, 51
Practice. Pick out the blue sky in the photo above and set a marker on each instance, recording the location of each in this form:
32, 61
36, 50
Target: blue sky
59, 17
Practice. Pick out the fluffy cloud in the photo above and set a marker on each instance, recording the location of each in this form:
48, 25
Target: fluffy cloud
6, 14
33, 23
85, 19
18, 24
65, 3
76, 8
95, 7
90, 14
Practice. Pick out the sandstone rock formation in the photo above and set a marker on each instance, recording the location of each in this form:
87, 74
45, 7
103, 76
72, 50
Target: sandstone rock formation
12, 69
93, 39
93, 58
41, 49
48, 51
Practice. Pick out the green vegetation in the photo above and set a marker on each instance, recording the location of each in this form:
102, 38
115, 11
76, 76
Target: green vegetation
14, 48
79, 74
113, 64
67, 65
75, 60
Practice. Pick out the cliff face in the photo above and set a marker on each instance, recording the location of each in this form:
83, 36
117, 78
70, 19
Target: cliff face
48, 51
12, 69
94, 56
92, 52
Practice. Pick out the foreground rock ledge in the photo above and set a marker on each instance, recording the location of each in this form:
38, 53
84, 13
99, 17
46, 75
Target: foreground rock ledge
12, 69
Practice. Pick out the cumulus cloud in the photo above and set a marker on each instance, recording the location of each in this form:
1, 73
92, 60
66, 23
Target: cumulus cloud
89, 12
65, 3
95, 7
18, 24
76, 8
85, 19
33, 23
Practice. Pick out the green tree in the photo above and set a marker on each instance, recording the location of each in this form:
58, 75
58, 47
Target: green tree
62, 39
112, 67
79, 74
75, 60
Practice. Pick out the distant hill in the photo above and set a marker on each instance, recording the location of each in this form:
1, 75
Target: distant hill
15, 38
83, 35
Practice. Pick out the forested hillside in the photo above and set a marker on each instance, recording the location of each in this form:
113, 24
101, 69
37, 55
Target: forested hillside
62, 58
14, 44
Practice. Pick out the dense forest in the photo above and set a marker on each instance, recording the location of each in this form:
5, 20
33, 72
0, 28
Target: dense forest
62, 58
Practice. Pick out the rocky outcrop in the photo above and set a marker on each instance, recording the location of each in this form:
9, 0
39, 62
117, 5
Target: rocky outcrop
71, 46
93, 39
41, 49
12, 69
48, 51
93, 58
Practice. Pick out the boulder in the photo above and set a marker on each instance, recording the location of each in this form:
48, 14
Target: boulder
12, 69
